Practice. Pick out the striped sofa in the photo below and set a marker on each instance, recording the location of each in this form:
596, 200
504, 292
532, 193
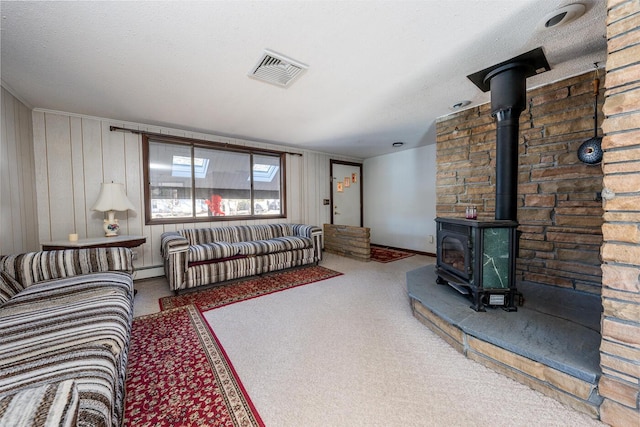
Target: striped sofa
202, 256
65, 324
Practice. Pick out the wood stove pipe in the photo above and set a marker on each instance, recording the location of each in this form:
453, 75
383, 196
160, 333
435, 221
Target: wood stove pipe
508, 84
508, 100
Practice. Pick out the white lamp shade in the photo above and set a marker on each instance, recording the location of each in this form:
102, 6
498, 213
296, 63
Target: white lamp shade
112, 198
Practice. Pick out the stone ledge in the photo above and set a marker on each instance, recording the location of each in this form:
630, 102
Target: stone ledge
553, 352
348, 241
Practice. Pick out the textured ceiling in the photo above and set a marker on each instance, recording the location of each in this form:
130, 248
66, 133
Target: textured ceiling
379, 71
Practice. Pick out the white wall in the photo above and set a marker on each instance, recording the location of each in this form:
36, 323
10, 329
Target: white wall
400, 198
18, 220
74, 154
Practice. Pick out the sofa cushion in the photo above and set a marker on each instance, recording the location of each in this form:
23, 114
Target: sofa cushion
277, 244
211, 251
33, 267
248, 233
8, 287
53, 404
199, 236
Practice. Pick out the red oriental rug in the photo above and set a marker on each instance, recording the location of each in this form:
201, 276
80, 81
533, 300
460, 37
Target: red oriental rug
379, 254
251, 287
178, 374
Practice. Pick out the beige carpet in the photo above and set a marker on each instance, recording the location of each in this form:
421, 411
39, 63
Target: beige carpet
348, 352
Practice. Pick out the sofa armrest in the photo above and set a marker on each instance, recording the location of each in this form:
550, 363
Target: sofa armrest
35, 267
313, 232
172, 242
175, 252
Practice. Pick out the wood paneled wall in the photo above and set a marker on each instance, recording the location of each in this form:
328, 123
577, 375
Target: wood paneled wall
75, 154
18, 220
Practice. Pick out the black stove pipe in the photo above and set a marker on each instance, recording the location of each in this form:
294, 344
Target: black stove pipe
508, 100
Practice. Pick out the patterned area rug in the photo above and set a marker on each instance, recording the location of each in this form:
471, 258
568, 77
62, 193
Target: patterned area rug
252, 287
379, 254
179, 375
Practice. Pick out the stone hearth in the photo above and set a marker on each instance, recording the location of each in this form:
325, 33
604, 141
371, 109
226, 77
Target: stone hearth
550, 344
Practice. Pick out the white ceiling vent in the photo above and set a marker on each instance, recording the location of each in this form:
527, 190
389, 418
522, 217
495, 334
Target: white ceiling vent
277, 69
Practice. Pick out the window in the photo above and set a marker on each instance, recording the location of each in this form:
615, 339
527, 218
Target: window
190, 180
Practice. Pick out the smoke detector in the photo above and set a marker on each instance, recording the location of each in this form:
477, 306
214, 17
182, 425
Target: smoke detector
277, 69
563, 16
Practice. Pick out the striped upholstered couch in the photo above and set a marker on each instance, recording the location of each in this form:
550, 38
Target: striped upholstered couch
202, 256
65, 324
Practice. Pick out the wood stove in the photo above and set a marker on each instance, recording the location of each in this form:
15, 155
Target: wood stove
477, 258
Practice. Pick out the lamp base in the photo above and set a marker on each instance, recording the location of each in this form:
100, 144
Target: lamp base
111, 226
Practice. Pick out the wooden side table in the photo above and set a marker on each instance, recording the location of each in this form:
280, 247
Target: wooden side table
96, 242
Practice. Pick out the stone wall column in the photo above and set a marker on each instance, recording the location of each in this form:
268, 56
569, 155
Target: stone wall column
620, 347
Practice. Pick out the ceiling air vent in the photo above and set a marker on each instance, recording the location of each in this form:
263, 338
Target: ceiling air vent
277, 69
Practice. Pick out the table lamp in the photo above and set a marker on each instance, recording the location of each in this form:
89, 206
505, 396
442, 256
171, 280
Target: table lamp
112, 198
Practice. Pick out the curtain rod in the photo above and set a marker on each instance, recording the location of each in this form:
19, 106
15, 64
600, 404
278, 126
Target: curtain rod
143, 132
